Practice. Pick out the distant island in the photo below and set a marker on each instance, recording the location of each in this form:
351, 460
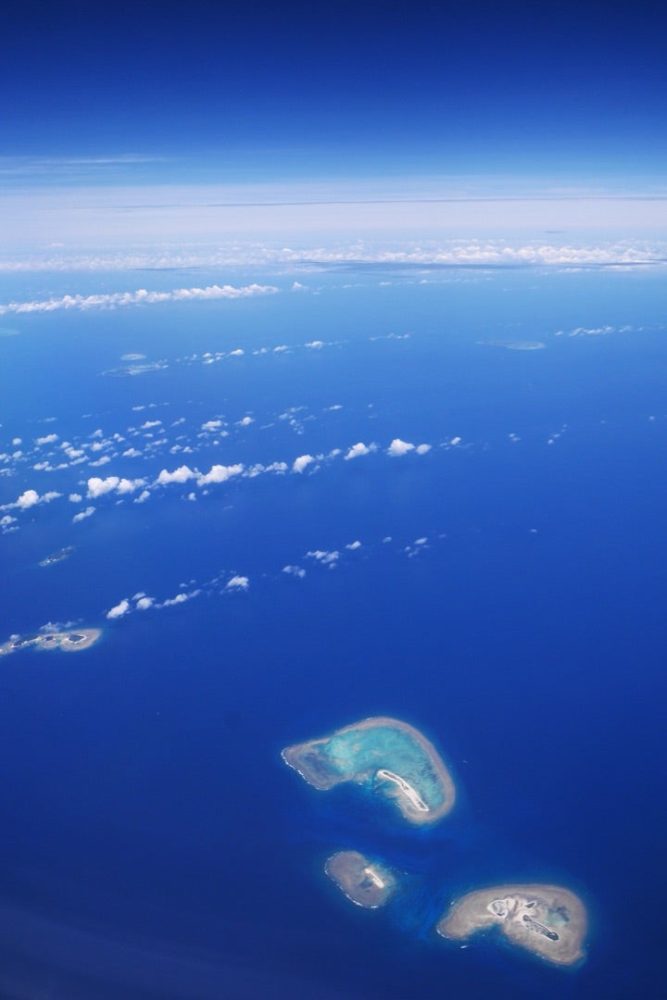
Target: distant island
66, 641
545, 919
366, 883
514, 345
58, 556
388, 757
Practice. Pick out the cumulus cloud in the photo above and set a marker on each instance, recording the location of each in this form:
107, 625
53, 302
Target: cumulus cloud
353, 546
423, 449
398, 447
129, 485
141, 296
181, 598
47, 439
325, 558
143, 603
358, 450
297, 571
302, 462
219, 474
83, 514
99, 487
118, 610
30, 498
180, 475
238, 583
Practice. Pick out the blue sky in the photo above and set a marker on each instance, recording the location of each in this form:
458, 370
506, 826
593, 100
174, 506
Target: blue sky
206, 91
129, 123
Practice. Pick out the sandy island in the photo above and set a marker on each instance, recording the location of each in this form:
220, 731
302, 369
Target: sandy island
366, 883
390, 757
68, 642
514, 345
546, 919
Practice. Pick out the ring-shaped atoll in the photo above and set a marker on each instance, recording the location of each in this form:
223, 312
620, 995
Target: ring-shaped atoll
386, 756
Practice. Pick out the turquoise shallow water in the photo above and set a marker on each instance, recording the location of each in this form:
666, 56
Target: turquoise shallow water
362, 752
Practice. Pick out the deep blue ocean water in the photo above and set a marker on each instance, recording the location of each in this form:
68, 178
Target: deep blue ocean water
153, 844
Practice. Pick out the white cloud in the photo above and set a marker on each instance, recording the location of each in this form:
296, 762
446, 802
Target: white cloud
212, 425
102, 460
324, 557
98, 487
83, 514
219, 474
453, 252
398, 447
47, 439
423, 449
353, 546
358, 450
180, 475
315, 345
131, 453
143, 497
238, 583
141, 296
120, 609
30, 498
245, 421
181, 598
298, 571
129, 485
75, 498
300, 463
144, 603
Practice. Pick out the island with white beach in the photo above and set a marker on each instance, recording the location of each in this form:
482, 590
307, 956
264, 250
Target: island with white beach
546, 919
67, 641
385, 756
365, 883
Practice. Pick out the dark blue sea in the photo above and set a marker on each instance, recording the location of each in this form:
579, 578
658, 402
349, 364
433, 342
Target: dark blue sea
508, 599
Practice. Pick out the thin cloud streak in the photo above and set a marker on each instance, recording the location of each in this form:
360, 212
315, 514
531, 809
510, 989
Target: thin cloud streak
141, 296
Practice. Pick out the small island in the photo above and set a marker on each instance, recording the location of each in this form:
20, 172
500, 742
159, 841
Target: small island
514, 345
57, 557
546, 919
366, 883
387, 757
66, 641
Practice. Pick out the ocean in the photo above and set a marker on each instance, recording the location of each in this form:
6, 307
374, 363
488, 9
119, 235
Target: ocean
507, 599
